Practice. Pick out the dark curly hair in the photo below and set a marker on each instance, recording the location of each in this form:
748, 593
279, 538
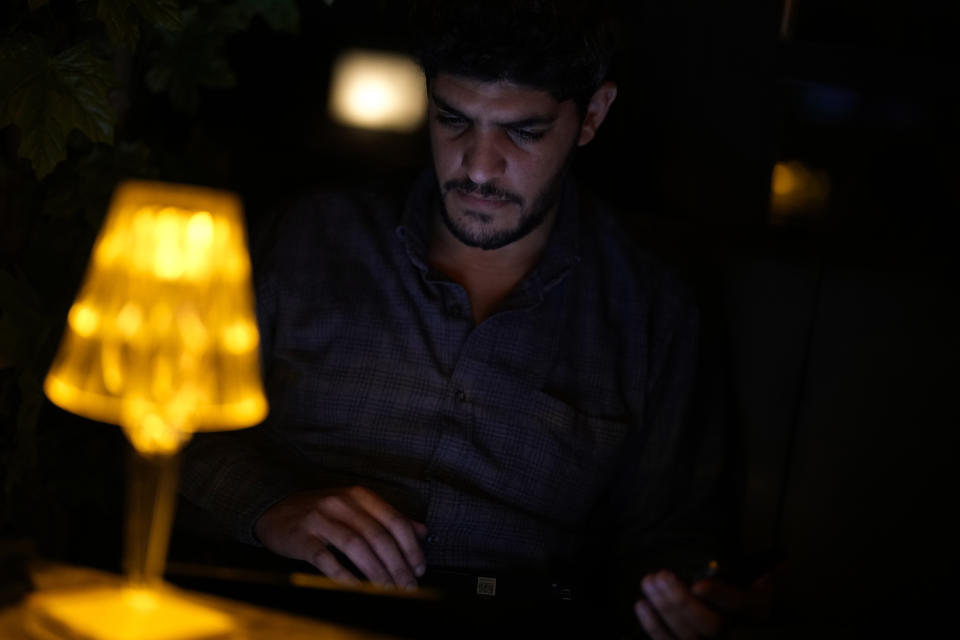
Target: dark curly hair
562, 46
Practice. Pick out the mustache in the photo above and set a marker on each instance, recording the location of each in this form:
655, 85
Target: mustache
485, 190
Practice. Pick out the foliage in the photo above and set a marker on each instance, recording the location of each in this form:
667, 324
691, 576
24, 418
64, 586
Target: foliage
49, 95
73, 75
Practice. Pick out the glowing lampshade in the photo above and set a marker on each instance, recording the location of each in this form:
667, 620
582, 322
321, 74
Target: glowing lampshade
162, 335
162, 340
376, 90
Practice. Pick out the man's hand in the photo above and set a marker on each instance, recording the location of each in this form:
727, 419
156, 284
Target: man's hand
380, 541
671, 610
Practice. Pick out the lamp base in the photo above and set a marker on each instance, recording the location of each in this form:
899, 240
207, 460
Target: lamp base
124, 613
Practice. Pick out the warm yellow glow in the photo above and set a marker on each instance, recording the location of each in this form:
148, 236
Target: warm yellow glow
170, 269
64, 392
156, 435
83, 319
168, 259
112, 365
797, 189
377, 90
161, 317
193, 333
141, 599
129, 319
161, 380
240, 337
163, 330
200, 230
111, 613
785, 179
249, 408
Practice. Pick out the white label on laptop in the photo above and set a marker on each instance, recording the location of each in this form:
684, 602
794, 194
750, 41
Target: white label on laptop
486, 586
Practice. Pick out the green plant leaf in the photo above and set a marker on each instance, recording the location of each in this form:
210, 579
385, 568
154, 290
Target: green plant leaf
280, 15
192, 58
47, 97
20, 60
122, 28
164, 14
36, 4
122, 18
84, 193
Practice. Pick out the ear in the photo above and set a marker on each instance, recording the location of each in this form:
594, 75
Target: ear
596, 111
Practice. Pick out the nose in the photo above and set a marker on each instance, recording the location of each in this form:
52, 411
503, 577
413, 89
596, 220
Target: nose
482, 159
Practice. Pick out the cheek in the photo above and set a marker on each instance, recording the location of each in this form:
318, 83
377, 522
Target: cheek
445, 157
535, 172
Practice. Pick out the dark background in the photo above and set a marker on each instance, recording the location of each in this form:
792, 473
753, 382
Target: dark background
837, 322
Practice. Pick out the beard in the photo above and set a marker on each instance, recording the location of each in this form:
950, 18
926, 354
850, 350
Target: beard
481, 236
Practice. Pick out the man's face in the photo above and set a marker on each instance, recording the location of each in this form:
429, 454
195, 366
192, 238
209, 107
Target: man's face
500, 152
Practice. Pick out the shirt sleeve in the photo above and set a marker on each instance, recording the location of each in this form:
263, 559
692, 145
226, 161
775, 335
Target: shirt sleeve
233, 477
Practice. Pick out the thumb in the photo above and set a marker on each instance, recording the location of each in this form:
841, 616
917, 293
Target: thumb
725, 596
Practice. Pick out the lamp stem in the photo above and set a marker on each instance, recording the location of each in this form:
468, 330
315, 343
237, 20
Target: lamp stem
151, 497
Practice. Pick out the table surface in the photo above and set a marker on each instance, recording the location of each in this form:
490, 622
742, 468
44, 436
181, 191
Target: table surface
252, 621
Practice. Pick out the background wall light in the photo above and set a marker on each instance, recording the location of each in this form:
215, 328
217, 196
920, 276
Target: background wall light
377, 90
796, 189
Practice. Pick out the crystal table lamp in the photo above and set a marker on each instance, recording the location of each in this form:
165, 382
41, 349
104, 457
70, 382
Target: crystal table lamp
161, 340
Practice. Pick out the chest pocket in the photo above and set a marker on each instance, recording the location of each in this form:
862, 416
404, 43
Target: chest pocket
551, 458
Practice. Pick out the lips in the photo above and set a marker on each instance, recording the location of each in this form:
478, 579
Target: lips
480, 202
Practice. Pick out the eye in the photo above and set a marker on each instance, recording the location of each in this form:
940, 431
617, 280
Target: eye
451, 121
526, 135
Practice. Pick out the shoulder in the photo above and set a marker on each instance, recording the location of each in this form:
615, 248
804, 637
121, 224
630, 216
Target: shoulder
323, 216
320, 225
639, 284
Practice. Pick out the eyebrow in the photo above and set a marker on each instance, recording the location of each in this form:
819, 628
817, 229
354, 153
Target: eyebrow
522, 123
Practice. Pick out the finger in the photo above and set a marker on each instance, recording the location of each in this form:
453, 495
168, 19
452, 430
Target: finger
705, 620
321, 557
374, 536
351, 542
650, 621
686, 616
420, 529
387, 532
754, 603
667, 608
403, 530
722, 595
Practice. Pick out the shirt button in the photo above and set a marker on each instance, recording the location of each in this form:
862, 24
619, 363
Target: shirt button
454, 311
460, 395
433, 538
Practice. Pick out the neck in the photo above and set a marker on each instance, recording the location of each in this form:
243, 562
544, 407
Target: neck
487, 275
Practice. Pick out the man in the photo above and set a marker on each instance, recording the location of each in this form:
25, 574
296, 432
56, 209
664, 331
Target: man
487, 378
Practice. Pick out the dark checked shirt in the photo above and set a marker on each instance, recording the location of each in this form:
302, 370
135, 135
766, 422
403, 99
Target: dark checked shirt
557, 422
